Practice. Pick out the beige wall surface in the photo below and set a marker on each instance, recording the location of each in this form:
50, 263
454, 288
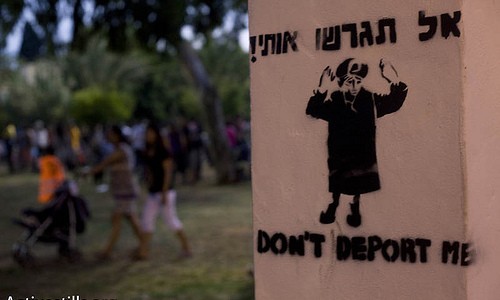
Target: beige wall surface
482, 148
419, 151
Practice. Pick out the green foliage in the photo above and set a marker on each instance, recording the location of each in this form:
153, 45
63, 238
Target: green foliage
97, 66
106, 84
206, 15
150, 21
13, 90
43, 89
160, 85
34, 91
95, 105
50, 92
190, 105
229, 69
161, 91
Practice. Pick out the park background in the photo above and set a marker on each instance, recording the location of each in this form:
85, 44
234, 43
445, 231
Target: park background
90, 64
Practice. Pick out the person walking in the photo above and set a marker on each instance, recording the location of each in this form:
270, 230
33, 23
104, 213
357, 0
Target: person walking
124, 189
162, 197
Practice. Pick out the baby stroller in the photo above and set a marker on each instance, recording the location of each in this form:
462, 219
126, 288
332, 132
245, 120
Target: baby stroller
58, 222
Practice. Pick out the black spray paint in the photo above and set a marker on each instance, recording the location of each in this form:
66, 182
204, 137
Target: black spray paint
362, 248
354, 35
458, 253
278, 243
275, 43
358, 248
449, 25
351, 112
410, 250
330, 38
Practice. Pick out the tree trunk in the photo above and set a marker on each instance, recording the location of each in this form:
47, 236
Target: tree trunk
78, 42
214, 118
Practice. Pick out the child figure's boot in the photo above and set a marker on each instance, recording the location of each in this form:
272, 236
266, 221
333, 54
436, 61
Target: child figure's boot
328, 216
354, 219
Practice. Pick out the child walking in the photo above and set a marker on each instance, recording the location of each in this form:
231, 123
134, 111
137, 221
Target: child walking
124, 189
162, 196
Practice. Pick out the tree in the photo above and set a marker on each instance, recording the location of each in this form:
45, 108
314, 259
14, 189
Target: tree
228, 67
48, 90
154, 25
96, 66
35, 91
157, 25
166, 92
31, 44
95, 105
10, 13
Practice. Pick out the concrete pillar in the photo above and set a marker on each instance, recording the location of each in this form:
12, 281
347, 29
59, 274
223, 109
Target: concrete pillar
482, 144
386, 107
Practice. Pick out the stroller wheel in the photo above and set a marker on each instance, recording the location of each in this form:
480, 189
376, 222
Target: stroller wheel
22, 255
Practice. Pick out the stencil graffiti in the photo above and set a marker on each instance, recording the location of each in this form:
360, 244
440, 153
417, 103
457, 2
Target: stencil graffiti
449, 25
356, 35
330, 38
351, 111
409, 250
276, 43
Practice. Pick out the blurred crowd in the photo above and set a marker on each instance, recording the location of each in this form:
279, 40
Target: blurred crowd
79, 146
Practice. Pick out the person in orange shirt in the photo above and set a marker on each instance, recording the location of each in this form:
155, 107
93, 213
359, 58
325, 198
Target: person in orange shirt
52, 175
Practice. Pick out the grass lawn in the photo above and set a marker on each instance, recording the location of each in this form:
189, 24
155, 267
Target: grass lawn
217, 221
